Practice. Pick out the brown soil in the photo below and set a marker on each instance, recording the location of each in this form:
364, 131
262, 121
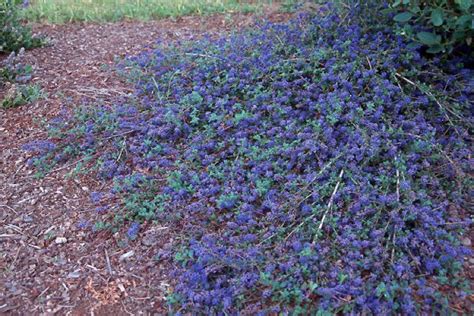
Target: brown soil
47, 263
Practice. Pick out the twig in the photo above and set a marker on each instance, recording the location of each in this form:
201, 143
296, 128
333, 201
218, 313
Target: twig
102, 91
16, 256
393, 244
343, 19
64, 167
315, 177
9, 207
109, 267
10, 236
44, 291
398, 185
443, 109
368, 60
331, 200
125, 309
202, 55
120, 134
122, 150
92, 267
304, 199
157, 88
15, 228
442, 151
18, 170
455, 223
279, 39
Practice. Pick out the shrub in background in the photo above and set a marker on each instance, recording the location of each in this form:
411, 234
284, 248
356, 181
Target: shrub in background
13, 34
441, 25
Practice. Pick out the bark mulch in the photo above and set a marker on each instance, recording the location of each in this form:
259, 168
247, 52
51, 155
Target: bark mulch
48, 264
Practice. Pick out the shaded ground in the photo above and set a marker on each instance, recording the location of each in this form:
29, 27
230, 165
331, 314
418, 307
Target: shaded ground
48, 264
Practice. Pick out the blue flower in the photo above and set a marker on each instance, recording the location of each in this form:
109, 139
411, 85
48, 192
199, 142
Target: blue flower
133, 230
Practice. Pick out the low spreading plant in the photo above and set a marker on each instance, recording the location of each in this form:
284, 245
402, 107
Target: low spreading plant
315, 166
17, 95
14, 79
13, 69
439, 24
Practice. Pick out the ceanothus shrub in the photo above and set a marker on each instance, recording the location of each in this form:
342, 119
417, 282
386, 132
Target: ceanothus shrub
311, 166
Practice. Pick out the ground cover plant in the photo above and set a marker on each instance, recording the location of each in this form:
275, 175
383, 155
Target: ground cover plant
315, 166
60, 11
14, 79
14, 73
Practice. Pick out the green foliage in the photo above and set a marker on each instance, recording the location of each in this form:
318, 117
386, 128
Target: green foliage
441, 25
12, 69
13, 34
63, 11
14, 78
21, 94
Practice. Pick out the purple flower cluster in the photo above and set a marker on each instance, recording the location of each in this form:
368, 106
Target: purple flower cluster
14, 70
133, 230
313, 165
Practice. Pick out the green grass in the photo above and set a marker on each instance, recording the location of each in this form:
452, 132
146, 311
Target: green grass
63, 11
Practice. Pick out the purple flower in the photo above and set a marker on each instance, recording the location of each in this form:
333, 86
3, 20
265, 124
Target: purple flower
133, 230
96, 197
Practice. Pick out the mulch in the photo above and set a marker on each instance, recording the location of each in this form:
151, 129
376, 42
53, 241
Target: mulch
48, 264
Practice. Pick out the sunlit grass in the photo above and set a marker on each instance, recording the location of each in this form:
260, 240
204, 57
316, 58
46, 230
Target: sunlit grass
62, 11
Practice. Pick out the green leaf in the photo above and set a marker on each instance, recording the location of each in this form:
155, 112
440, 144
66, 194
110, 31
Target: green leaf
465, 20
435, 49
459, 35
464, 4
429, 38
414, 8
396, 3
381, 289
403, 17
408, 29
437, 17
412, 45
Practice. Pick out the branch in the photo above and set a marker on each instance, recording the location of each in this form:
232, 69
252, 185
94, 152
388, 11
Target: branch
331, 200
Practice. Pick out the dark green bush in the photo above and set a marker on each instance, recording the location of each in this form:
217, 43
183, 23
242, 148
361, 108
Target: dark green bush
13, 33
441, 25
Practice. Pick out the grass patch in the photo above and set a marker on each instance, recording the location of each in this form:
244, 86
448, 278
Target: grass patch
62, 11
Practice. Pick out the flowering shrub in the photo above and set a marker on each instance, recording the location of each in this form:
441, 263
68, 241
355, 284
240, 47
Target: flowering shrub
440, 25
14, 78
13, 34
311, 166
12, 69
